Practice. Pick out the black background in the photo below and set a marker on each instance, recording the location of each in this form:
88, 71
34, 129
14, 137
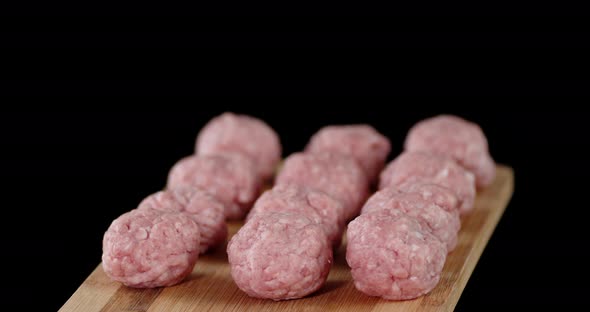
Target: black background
68, 174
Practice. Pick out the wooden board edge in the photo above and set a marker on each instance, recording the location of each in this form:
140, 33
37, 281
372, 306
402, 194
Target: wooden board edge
482, 240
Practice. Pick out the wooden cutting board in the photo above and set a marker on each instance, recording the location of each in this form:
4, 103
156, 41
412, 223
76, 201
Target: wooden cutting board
210, 287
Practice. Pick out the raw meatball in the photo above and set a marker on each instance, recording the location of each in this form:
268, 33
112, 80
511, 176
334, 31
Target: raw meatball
414, 167
393, 256
337, 175
205, 210
318, 206
362, 142
242, 134
230, 178
443, 224
280, 256
440, 195
457, 138
149, 248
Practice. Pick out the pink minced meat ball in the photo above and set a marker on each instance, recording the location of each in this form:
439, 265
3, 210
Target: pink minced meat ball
318, 206
393, 255
243, 134
230, 178
206, 211
440, 195
362, 142
149, 248
410, 167
442, 223
457, 138
280, 256
337, 175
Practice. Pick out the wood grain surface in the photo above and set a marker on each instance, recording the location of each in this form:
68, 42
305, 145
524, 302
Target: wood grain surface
210, 287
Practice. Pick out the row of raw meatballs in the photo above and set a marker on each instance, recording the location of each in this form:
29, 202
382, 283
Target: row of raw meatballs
397, 247
285, 249
158, 243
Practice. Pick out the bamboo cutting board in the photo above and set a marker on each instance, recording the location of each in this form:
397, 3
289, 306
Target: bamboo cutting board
210, 287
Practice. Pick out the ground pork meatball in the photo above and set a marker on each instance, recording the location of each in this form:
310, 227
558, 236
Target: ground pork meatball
393, 256
230, 178
206, 211
362, 142
416, 167
315, 205
149, 248
443, 224
456, 138
337, 175
242, 134
280, 256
